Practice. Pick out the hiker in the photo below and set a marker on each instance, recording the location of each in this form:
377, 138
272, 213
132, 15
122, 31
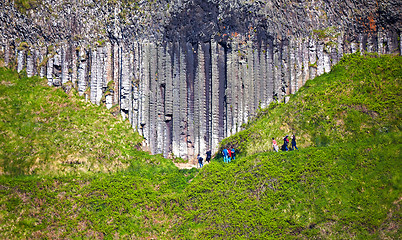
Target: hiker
229, 155
294, 142
208, 158
275, 145
233, 153
285, 143
225, 155
199, 160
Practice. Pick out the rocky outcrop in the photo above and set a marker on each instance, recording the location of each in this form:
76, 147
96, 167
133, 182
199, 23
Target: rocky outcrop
187, 74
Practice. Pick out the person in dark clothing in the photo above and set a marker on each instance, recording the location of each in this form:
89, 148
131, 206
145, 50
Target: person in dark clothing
200, 160
285, 143
294, 142
233, 151
208, 158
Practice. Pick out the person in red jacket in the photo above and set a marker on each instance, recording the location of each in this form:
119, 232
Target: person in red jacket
230, 155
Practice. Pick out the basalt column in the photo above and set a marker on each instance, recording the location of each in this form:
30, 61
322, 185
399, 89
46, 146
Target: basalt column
82, 72
263, 76
144, 90
229, 93
161, 92
184, 133
292, 67
202, 89
168, 106
192, 64
217, 93
94, 75
232, 88
176, 99
153, 97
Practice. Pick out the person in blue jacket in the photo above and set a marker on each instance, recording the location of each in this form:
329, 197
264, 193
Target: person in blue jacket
225, 155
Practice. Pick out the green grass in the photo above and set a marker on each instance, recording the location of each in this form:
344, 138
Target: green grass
45, 131
127, 204
344, 182
72, 170
357, 99
344, 191
25, 5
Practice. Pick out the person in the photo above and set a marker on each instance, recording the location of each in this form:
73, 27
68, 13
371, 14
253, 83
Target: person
285, 143
233, 153
199, 160
229, 155
294, 142
225, 155
274, 145
208, 158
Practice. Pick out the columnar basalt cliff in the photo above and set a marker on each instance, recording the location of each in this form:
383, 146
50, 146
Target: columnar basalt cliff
189, 73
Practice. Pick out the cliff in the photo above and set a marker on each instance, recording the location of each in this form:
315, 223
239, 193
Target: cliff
189, 73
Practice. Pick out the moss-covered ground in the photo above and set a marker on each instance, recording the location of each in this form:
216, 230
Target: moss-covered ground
344, 182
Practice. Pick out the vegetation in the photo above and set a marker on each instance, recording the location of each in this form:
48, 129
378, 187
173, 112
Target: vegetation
126, 204
72, 170
337, 192
46, 131
343, 183
359, 98
25, 5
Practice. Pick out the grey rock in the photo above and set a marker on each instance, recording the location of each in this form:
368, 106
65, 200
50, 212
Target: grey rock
190, 74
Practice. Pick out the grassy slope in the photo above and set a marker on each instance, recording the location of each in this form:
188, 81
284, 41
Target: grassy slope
337, 192
72, 170
45, 131
344, 182
360, 97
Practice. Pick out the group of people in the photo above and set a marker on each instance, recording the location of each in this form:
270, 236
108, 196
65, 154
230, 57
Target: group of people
285, 144
228, 154
200, 159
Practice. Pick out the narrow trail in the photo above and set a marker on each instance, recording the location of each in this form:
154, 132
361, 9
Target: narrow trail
188, 165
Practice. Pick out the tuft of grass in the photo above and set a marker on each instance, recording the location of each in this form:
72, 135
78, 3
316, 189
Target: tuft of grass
25, 5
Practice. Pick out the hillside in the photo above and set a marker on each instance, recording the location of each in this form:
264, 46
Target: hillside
359, 98
343, 183
45, 131
70, 169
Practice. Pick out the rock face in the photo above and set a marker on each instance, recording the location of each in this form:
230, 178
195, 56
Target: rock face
188, 73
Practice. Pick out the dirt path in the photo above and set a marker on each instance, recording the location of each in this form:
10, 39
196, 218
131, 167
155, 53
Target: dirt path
185, 165
188, 165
